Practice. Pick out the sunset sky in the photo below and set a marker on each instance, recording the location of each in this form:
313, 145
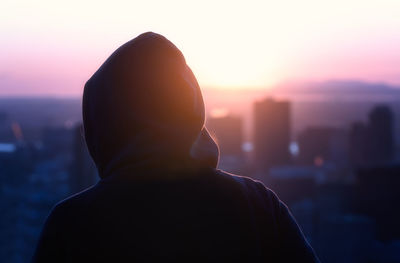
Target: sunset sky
53, 47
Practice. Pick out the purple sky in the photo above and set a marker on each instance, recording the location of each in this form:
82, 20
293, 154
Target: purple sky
53, 47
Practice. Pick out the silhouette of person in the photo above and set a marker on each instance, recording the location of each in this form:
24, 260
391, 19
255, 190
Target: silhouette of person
160, 197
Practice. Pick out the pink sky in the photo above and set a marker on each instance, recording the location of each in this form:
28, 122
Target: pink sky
53, 47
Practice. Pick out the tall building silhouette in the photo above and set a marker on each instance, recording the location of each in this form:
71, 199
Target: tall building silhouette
373, 143
381, 137
228, 132
271, 133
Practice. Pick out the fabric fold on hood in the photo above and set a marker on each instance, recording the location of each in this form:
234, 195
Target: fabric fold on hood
143, 109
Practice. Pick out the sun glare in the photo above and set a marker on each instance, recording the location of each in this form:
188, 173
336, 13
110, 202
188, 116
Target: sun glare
228, 44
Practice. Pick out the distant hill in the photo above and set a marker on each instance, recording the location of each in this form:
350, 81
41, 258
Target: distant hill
348, 89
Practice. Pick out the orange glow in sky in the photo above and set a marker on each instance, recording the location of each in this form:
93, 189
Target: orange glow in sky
53, 47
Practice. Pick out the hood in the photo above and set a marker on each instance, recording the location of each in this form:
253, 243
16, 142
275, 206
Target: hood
143, 109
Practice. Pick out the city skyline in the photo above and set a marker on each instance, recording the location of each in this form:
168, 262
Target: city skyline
325, 189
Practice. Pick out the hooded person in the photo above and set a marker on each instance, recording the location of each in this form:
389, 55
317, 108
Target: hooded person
160, 197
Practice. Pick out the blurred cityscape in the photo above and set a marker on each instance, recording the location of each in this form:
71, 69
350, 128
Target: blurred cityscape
334, 160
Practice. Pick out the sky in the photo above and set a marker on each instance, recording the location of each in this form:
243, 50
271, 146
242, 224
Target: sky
53, 47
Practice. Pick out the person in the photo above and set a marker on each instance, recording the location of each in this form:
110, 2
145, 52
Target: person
160, 197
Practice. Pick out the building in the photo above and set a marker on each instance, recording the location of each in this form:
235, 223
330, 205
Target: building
373, 143
228, 132
381, 137
271, 134
319, 145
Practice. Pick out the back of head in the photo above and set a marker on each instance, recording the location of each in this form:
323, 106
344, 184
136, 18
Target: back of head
143, 108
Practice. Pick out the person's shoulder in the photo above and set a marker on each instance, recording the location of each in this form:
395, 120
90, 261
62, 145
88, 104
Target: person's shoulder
254, 187
264, 202
75, 201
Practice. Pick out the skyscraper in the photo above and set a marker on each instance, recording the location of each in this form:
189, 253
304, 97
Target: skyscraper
381, 138
373, 143
271, 133
227, 130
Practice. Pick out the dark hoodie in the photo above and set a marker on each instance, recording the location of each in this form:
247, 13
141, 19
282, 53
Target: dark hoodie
160, 197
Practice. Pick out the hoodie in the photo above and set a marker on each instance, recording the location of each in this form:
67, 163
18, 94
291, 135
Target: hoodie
144, 108
160, 197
